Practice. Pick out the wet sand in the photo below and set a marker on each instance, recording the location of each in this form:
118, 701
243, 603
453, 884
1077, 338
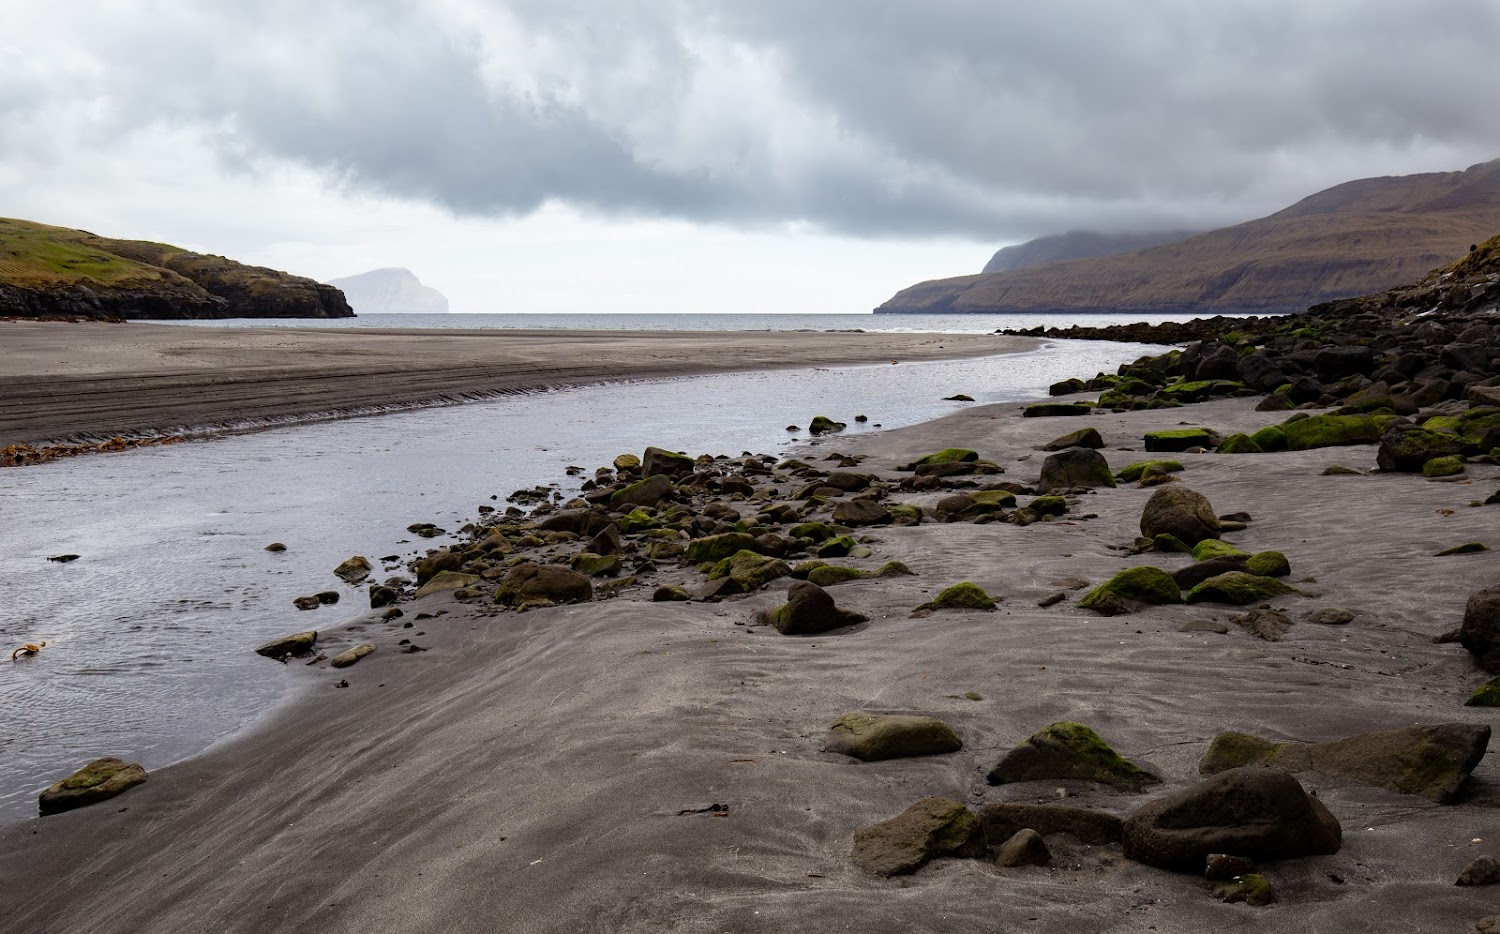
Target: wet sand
88, 381
549, 771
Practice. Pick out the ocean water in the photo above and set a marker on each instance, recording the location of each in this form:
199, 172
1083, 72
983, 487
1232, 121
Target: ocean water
943, 324
151, 632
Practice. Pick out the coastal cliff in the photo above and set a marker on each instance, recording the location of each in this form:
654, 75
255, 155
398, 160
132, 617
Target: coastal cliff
391, 290
50, 271
1352, 239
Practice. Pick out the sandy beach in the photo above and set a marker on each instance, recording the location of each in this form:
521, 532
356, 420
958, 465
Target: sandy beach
87, 381
558, 770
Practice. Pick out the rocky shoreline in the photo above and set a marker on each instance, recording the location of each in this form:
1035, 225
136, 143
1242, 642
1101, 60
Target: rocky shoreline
883, 683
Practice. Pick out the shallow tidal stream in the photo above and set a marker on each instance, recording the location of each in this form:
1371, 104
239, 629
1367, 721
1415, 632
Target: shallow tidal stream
150, 633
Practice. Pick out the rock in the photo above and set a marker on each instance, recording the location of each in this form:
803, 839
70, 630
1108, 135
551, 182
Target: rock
1082, 438
1048, 506
1468, 548
298, 643
821, 425
1321, 431
430, 566
627, 462
1480, 632
808, 611
1211, 548
874, 737
945, 456
1249, 889
1068, 751
718, 547
829, 575
1238, 444
1004, 820
670, 594
349, 656
840, 547
748, 571
1237, 587
1487, 925
961, 596
309, 602
1331, 616
1431, 761
1204, 625
1488, 694
1053, 409
1221, 867
961, 397
1024, 848
1482, 871
1405, 447
1259, 813
1137, 470
448, 580
1179, 511
858, 512
931, 828
592, 565
327, 597
1181, 439
848, 481
1449, 466
535, 585
383, 596
648, 492
1264, 624
98, 781
1075, 467
276, 546
1139, 585
669, 463
1268, 564
607, 542
1194, 574
354, 570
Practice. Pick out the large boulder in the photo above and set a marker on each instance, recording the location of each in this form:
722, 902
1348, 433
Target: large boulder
930, 828
1480, 632
808, 611
98, 781
1431, 761
648, 492
298, 643
857, 512
1407, 448
1075, 467
718, 547
1240, 588
1003, 820
1068, 750
1321, 431
1130, 588
530, 584
1256, 812
1082, 438
746, 571
670, 463
448, 580
1181, 439
1181, 512
873, 737
353, 570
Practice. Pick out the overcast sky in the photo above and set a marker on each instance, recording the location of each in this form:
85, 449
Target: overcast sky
722, 155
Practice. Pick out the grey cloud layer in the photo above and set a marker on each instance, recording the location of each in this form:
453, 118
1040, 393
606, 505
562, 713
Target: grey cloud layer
992, 120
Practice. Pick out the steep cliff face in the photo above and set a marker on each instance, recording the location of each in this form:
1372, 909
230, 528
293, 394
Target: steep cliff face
1077, 244
55, 271
1348, 240
390, 291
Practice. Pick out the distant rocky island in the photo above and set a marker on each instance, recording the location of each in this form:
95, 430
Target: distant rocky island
1359, 237
48, 271
391, 290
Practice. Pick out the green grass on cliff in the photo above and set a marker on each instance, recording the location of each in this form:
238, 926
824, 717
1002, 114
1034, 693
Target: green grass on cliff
37, 256
1484, 258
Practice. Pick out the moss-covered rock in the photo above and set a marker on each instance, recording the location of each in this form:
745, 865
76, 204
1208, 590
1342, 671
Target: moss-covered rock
894, 569
749, 570
829, 575
1467, 548
100, 780
1252, 888
1075, 467
1213, 548
876, 737
1270, 438
627, 462
1054, 409
532, 585
594, 565
1181, 439
1268, 564
816, 531
447, 580
1134, 472
1407, 448
992, 498
905, 514
1068, 751
946, 456
637, 520
1048, 505
298, 643
353, 570
1488, 695
1238, 444
961, 596
718, 547
1166, 541
1321, 431
1237, 587
822, 424
808, 611
1448, 466
1197, 390
1145, 584
648, 492
931, 828
1182, 512
1082, 438
670, 593
659, 461
838, 547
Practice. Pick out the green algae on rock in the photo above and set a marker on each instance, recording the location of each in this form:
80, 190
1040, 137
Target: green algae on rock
447, 580
1214, 548
1239, 443
946, 456
1056, 409
1447, 466
828, 575
100, 780
1181, 439
718, 547
1068, 750
749, 570
1144, 584
1134, 471
1268, 564
822, 424
961, 596
1321, 431
1237, 587
931, 828
1270, 438
1488, 694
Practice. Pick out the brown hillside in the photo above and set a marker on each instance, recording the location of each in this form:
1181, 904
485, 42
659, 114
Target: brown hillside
1354, 238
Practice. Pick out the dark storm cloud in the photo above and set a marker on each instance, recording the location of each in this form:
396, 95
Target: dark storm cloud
970, 117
